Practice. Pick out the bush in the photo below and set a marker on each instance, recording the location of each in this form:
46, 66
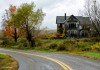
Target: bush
46, 36
38, 42
76, 45
23, 43
85, 40
57, 36
96, 47
86, 49
80, 45
52, 46
70, 44
8, 42
84, 46
93, 39
60, 30
61, 47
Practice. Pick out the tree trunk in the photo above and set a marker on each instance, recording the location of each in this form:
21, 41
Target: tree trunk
32, 43
29, 36
15, 35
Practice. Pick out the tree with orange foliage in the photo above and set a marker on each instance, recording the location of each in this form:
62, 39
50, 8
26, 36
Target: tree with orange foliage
8, 31
12, 9
9, 28
26, 17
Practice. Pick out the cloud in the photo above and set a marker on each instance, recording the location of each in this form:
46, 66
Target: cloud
69, 7
52, 8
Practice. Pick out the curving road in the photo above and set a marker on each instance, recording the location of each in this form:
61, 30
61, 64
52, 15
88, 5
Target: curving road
29, 60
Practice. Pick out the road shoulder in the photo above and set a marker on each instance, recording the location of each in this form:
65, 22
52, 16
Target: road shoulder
7, 62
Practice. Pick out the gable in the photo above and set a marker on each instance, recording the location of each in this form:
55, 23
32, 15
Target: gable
72, 18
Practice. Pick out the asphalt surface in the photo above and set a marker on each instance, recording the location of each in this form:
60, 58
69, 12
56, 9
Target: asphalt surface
32, 62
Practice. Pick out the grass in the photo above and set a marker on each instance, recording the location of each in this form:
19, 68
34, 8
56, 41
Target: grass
93, 55
83, 48
8, 63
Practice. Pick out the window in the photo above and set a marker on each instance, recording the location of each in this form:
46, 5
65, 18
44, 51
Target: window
72, 25
60, 25
72, 33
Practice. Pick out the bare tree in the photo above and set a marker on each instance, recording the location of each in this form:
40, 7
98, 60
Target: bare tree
92, 10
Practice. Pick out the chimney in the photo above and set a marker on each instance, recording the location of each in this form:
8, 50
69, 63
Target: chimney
65, 16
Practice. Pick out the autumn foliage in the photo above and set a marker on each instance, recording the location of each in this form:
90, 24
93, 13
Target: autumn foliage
8, 30
12, 9
22, 22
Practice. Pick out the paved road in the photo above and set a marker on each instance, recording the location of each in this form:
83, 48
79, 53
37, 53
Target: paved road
29, 60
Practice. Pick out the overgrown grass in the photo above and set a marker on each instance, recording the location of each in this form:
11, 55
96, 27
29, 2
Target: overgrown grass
89, 47
7, 63
81, 47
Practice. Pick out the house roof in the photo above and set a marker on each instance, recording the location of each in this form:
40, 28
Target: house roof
61, 19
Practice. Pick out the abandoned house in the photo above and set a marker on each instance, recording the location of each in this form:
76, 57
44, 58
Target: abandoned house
73, 26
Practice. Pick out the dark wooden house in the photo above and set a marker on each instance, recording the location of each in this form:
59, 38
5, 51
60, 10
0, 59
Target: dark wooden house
74, 26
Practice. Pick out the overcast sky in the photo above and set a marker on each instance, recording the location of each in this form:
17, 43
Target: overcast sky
52, 8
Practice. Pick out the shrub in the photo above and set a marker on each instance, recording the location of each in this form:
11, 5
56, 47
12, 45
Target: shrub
22, 40
86, 49
23, 43
61, 47
46, 36
96, 47
84, 46
57, 35
81, 45
60, 30
52, 46
38, 42
85, 40
93, 39
8, 42
70, 44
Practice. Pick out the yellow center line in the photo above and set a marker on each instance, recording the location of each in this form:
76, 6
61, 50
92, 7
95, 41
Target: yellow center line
63, 65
